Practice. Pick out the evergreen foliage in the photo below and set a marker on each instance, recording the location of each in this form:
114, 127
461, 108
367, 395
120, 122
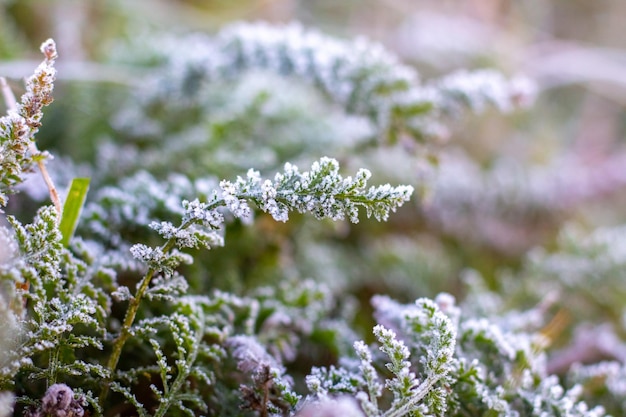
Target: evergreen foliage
151, 306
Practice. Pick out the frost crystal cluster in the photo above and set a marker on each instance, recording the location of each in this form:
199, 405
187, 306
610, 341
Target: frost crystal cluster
19, 126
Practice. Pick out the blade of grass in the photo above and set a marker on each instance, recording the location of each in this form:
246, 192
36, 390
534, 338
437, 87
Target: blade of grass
71, 209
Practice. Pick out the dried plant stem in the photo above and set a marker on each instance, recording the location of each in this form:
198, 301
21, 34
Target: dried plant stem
7, 94
54, 195
9, 99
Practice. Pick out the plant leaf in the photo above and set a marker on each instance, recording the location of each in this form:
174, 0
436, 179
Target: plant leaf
71, 209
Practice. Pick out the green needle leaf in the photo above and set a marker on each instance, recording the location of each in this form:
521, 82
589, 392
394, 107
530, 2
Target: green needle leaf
71, 210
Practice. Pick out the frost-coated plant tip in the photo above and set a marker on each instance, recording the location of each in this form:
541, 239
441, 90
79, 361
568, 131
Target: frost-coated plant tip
18, 128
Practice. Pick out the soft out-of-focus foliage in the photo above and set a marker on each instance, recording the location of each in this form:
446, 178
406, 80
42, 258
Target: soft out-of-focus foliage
507, 119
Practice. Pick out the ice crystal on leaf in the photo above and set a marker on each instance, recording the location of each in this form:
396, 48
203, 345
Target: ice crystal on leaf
322, 191
425, 327
436, 368
55, 300
478, 89
186, 330
360, 76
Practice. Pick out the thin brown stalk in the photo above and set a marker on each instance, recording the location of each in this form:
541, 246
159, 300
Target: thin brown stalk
11, 102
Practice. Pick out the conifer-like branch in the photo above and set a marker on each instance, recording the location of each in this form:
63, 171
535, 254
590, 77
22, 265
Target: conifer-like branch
360, 76
322, 191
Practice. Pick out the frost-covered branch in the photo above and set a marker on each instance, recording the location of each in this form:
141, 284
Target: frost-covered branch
362, 77
478, 90
425, 331
17, 129
321, 191
53, 303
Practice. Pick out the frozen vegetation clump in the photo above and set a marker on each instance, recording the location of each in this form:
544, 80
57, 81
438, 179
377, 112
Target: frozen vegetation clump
220, 262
